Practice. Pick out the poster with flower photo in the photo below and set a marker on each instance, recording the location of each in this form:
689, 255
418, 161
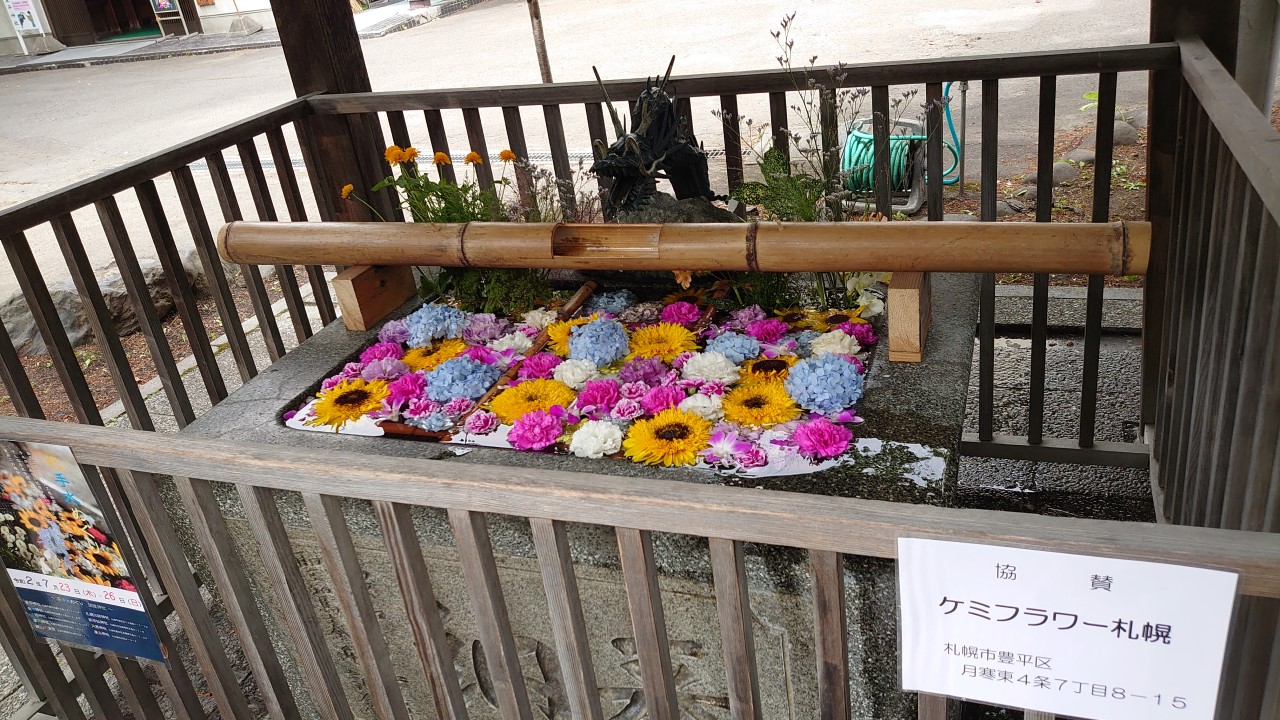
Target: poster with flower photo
65, 565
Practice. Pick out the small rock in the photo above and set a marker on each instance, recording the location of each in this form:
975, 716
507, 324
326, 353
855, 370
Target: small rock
1136, 117
21, 325
1030, 193
663, 208
1081, 155
1062, 172
1006, 208
1125, 134
960, 217
120, 306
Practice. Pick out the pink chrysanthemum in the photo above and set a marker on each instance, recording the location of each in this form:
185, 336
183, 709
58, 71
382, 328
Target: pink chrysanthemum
769, 330
821, 439
537, 430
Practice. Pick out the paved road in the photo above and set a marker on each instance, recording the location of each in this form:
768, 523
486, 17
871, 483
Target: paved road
67, 124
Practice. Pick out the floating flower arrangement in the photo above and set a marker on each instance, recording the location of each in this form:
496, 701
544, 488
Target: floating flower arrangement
670, 383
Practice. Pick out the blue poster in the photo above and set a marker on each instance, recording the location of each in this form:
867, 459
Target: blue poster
60, 555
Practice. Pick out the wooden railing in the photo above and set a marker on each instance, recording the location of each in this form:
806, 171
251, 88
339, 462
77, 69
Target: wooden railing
828, 528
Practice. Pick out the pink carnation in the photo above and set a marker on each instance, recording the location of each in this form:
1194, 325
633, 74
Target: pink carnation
481, 422
712, 387
752, 458
481, 354
421, 407
864, 334
681, 313
330, 382
633, 390
536, 430
680, 360
351, 370
821, 439
627, 409
378, 351
661, 398
598, 396
406, 388
539, 367
768, 330
458, 406
689, 383
383, 369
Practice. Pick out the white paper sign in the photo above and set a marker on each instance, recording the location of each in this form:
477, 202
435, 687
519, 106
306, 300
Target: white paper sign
1082, 636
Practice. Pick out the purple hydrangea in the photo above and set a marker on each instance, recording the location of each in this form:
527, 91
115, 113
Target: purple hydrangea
485, 327
395, 331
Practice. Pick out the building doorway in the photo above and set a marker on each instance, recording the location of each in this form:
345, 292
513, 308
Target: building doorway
115, 20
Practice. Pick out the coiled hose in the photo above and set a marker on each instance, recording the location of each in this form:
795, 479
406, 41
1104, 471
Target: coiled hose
857, 159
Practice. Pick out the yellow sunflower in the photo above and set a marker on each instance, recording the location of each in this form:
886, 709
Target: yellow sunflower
80, 574
348, 401
672, 437
427, 358
664, 340
36, 520
102, 561
73, 524
528, 396
697, 297
793, 316
760, 405
558, 333
825, 320
767, 369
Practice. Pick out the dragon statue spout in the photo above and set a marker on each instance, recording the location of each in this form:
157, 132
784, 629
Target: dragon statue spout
660, 145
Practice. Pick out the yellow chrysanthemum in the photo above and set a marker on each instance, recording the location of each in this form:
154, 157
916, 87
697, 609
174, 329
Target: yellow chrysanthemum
672, 437
697, 297
348, 401
394, 154
427, 358
793, 316
760, 405
558, 333
772, 369
664, 340
347, 190
507, 156
410, 154
441, 159
473, 158
825, 320
528, 396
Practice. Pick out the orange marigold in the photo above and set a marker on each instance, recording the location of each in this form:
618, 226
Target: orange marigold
347, 190
507, 156
473, 158
410, 154
394, 154
441, 159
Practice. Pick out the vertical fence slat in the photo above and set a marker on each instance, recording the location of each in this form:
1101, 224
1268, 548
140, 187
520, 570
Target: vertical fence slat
399, 129
82, 274
933, 707
198, 224
471, 531
555, 138
36, 654
732, 127
780, 124
987, 304
396, 522
166, 552
298, 213
267, 324
830, 628
880, 130
734, 609
567, 622
1105, 147
134, 687
514, 125
1040, 289
309, 645
1258, 454
266, 210
325, 194
15, 379
184, 298
1259, 633
93, 683
599, 134
829, 124
145, 310
439, 142
640, 576
933, 151
45, 314
343, 564
475, 138
238, 596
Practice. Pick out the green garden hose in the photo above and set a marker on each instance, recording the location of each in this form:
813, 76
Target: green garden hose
856, 161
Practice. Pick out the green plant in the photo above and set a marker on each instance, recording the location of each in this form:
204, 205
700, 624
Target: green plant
1120, 175
781, 194
498, 291
1092, 97
767, 289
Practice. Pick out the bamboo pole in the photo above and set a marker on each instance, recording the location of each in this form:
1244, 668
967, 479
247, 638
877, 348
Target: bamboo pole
1118, 248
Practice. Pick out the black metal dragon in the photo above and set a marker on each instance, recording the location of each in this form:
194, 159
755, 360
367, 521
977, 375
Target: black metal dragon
660, 145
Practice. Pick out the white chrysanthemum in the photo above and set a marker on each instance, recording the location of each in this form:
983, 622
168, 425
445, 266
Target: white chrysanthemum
517, 341
595, 439
576, 373
835, 342
710, 365
871, 303
540, 318
710, 407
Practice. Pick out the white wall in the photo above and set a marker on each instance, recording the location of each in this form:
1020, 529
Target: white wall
216, 18
9, 37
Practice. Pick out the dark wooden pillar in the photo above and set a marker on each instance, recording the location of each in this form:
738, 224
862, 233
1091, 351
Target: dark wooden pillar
323, 53
1217, 24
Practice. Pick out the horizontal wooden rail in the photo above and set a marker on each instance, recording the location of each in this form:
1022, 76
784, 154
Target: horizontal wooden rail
77, 195
1158, 56
844, 525
1118, 248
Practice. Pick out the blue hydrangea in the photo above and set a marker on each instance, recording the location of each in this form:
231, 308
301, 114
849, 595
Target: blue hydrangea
599, 341
826, 384
434, 422
611, 302
460, 377
433, 321
804, 341
735, 346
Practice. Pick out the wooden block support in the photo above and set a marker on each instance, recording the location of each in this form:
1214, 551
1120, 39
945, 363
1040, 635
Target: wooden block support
910, 312
368, 293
